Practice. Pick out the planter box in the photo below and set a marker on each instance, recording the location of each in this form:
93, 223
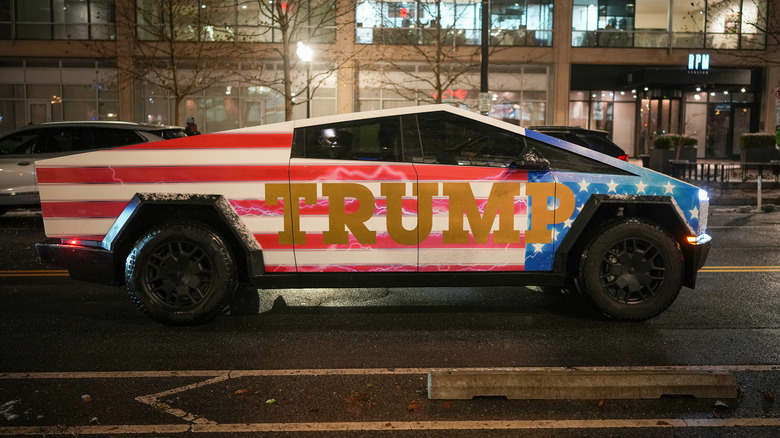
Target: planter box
659, 158
758, 155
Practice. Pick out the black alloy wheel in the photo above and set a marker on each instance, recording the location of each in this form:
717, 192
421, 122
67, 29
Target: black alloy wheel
181, 273
632, 269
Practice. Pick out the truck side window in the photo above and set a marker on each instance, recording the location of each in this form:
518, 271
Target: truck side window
370, 140
455, 140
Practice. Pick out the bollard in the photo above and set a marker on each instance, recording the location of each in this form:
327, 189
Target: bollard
758, 185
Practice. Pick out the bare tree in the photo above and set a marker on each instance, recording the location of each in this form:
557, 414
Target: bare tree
760, 34
179, 47
290, 29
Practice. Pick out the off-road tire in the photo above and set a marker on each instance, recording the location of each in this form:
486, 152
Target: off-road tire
181, 273
631, 270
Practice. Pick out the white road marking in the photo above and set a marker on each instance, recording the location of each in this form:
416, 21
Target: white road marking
652, 423
197, 424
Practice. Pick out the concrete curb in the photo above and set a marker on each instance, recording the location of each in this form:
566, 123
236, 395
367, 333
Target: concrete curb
580, 384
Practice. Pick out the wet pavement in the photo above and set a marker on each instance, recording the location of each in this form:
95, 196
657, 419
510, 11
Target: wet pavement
354, 362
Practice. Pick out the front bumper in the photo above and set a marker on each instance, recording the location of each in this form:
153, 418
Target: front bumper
695, 256
82, 262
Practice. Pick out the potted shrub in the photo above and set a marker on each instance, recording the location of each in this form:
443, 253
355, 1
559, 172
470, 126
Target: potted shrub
669, 147
758, 147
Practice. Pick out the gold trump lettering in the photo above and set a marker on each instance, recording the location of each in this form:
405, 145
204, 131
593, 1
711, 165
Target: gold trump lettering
462, 203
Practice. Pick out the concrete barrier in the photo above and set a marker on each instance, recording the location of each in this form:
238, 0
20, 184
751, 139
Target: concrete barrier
580, 384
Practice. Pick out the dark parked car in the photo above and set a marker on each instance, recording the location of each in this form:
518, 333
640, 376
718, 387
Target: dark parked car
598, 141
20, 150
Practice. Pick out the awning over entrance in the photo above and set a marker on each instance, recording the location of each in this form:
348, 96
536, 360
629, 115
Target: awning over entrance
624, 77
677, 77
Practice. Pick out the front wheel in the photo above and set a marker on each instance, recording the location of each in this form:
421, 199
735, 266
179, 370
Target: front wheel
181, 273
631, 270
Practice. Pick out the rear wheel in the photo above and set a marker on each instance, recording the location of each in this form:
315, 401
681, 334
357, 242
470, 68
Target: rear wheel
181, 273
632, 270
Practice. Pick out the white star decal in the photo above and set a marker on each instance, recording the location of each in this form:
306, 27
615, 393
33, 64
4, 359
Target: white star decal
640, 188
538, 247
612, 186
554, 235
567, 223
695, 212
669, 187
583, 185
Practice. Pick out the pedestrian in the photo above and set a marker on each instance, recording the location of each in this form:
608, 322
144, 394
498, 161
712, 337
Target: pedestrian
192, 128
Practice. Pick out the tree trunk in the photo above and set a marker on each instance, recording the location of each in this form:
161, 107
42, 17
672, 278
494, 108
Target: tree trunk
177, 103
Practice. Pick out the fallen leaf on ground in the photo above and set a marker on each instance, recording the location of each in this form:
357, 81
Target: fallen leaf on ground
86, 398
242, 391
270, 401
769, 396
447, 404
413, 406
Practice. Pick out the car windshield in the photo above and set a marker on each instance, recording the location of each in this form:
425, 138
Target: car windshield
19, 143
170, 133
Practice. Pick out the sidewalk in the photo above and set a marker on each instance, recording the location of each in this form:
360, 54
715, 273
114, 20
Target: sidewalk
735, 191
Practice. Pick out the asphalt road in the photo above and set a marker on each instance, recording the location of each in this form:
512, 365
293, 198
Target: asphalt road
77, 358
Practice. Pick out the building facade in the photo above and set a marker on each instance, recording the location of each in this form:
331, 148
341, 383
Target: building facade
636, 68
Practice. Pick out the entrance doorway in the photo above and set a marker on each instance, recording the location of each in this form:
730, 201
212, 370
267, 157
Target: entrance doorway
38, 112
726, 122
657, 116
718, 128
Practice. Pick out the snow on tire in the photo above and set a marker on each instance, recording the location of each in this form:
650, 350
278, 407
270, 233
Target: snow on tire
181, 273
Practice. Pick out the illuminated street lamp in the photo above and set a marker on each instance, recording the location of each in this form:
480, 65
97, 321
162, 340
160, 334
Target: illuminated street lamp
305, 54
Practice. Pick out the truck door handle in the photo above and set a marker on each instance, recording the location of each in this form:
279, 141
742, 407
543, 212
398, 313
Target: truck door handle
23, 163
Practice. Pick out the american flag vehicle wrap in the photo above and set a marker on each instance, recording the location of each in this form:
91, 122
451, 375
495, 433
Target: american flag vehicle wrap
360, 215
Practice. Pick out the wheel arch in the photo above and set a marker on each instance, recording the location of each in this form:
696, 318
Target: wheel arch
145, 211
600, 209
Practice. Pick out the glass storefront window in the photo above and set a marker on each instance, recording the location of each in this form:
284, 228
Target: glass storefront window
513, 22
688, 17
80, 110
608, 110
77, 99
521, 23
78, 92
50, 92
58, 19
723, 20
236, 20
717, 24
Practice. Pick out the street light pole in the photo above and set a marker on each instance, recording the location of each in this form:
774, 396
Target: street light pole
484, 97
305, 54
308, 91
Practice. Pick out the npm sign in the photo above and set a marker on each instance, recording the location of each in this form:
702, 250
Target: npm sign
698, 61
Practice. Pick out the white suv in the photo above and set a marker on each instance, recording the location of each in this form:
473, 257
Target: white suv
19, 151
